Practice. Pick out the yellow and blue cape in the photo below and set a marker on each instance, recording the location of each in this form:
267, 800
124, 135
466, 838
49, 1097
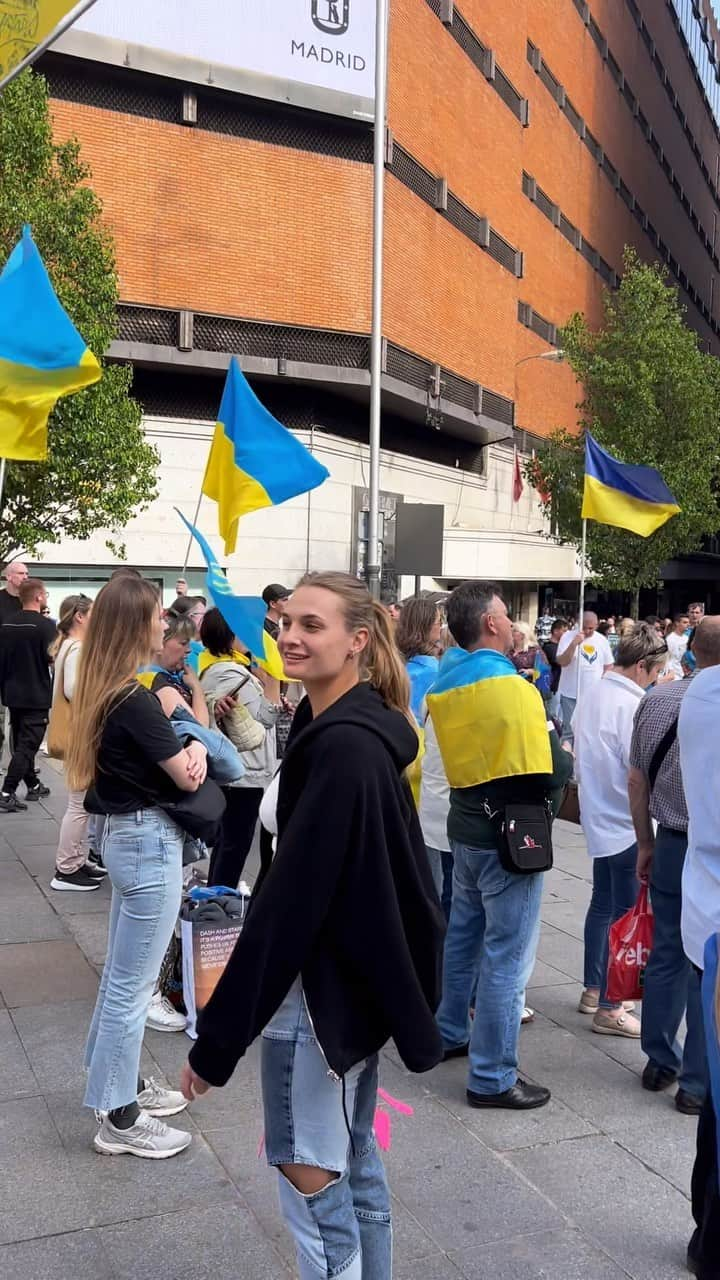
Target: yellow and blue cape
489, 722
623, 494
42, 355
254, 460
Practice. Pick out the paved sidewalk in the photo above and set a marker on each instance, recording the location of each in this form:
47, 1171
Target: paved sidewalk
592, 1187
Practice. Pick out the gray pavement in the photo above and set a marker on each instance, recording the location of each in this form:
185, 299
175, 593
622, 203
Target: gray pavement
592, 1187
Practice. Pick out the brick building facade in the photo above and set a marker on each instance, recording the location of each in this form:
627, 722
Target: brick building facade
526, 146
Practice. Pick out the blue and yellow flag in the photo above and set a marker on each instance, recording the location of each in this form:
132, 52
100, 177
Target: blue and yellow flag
489, 722
42, 355
245, 615
622, 494
254, 460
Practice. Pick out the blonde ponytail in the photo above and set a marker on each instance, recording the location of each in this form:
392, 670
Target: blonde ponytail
381, 662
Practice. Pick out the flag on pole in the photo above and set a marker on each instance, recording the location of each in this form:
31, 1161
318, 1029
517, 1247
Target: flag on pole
27, 27
517, 490
42, 355
623, 494
245, 615
254, 460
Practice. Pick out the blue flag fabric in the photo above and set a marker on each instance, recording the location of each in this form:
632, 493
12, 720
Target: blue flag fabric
245, 615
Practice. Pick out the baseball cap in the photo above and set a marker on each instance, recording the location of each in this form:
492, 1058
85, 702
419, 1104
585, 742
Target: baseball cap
275, 592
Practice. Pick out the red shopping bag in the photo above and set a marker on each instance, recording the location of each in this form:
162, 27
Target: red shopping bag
630, 944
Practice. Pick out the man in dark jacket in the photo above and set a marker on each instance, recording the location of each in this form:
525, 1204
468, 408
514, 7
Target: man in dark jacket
26, 687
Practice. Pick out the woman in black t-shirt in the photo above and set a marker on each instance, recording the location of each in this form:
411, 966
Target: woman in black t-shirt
124, 749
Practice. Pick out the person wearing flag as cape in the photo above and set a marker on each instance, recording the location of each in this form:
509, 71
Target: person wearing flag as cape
498, 749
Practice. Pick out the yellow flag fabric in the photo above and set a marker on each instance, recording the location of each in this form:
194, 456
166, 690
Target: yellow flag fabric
24, 24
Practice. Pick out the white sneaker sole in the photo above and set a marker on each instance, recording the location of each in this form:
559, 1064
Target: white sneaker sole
163, 1112
161, 1026
61, 887
145, 1153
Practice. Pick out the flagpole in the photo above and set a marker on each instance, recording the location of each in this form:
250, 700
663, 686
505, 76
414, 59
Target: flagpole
190, 539
381, 43
581, 608
76, 12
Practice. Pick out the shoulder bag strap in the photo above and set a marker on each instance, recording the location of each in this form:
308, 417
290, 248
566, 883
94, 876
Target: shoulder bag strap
661, 751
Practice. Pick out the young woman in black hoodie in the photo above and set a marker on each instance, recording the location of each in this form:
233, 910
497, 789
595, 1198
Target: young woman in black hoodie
342, 949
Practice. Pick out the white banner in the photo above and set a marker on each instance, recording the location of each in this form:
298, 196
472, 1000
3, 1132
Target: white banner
328, 44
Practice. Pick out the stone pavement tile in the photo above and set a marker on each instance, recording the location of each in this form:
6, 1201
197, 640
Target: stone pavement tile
23, 830
90, 931
38, 859
638, 1218
562, 1255
562, 951
25, 916
236, 1148
559, 1006
667, 1146
208, 1242
569, 917
77, 1254
16, 1075
26, 1130
45, 973
544, 975
461, 1192
73, 904
437, 1267
7, 853
53, 1037
602, 1091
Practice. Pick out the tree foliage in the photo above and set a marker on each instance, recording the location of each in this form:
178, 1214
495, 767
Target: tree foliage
100, 469
651, 396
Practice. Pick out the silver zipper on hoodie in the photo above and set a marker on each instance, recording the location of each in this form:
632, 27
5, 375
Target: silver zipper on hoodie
332, 1074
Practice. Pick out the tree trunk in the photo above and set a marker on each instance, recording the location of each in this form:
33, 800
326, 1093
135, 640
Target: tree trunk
635, 606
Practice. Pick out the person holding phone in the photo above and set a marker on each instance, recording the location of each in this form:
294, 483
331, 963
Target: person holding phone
250, 725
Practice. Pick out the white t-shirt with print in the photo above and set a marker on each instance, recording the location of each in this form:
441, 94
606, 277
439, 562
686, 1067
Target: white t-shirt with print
593, 654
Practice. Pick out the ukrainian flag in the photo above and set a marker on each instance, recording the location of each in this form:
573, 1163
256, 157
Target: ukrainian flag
254, 460
489, 722
245, 615
622, 494
42, 355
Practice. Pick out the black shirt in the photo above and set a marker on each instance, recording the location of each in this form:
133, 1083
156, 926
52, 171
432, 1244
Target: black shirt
24, 661
136, 736
9, 606
550, 649
165, 680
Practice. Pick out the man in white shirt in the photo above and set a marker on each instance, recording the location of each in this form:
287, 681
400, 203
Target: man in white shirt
677, 644
700, 919
603, 734
589, 651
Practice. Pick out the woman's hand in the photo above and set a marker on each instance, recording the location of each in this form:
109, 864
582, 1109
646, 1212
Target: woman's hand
191, 1085
190, 678
224, 706
196, 755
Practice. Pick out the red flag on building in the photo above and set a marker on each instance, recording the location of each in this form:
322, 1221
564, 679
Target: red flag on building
517, 478
539, 481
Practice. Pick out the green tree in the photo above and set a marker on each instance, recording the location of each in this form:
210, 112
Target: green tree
100, 469
651, 396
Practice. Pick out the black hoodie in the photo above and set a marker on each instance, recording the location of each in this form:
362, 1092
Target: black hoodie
348, 903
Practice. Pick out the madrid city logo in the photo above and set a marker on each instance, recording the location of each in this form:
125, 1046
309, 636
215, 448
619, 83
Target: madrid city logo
331, 16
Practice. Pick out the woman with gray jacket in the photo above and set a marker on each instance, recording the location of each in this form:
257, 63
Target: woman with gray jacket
250, 726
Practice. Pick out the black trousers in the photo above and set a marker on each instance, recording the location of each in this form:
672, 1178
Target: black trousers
237, 829
705, 1244
27, 730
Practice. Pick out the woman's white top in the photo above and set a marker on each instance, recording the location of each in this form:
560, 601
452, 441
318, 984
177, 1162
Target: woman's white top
603, 725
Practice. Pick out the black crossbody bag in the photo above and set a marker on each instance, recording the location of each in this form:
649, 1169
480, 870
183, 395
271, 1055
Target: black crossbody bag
524, 835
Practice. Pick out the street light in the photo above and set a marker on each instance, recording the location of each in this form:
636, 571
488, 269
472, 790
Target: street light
556, 355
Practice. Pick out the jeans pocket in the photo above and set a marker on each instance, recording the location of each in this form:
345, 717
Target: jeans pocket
122, 852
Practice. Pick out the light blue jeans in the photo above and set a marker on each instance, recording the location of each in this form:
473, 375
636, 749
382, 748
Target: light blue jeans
143, 855
314, 1119
490, 951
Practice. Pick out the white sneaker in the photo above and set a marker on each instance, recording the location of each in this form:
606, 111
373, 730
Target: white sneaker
156, 1100
148, 1137
162, 1016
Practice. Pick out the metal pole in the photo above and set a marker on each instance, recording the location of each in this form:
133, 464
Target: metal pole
190, 539
381, 42
76, 12
2, 481
581, 608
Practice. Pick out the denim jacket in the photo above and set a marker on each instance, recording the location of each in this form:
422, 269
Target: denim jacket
224, 763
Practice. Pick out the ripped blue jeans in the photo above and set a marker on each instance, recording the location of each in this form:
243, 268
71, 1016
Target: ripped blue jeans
314, 1119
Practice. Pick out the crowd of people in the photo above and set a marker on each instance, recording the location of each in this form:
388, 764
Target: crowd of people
424, 751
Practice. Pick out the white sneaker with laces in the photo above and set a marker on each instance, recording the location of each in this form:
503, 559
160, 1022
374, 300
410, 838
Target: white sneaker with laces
148, 1137
156, 1100
162, 1016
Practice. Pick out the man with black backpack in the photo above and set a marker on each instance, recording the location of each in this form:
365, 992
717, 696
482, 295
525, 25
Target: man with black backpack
672, 988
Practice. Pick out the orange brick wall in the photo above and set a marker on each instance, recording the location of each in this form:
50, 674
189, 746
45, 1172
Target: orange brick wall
221, 224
